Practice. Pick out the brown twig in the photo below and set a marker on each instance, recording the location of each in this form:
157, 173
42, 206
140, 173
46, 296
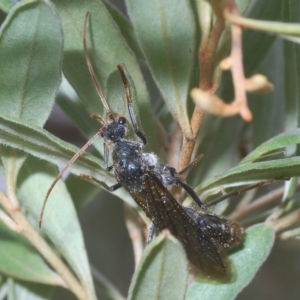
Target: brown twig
259, 203
137, 230
206, 59
286, 221
289, 234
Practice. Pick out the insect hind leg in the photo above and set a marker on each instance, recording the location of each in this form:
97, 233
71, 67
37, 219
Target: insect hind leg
171, 177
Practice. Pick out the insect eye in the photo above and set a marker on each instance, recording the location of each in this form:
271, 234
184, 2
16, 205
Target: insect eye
121, 120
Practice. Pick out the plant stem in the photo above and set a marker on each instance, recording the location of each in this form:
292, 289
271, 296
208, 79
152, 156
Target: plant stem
106, 286
286, 221
289, 234
261, 202
205, 56
24, 227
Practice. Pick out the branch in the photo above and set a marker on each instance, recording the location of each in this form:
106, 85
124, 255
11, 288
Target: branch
22, 226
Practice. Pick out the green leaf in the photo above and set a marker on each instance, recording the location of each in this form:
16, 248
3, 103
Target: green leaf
31, 45
115, 90
224, 155
19, 260
257, 245
257, 44
166, 31
126, 30
103, 35
76, 112
247, 170
41, 144
280, 141
12, 160
162, 272
280, 28
292, 70
6, 5
60, 221
245, 173
81, 191
28, 291
74, 109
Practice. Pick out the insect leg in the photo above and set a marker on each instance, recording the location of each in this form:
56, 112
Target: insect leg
91, 70
151, 232
115, 187
191, 192
138, 132
90, 178
176, 181
109, 168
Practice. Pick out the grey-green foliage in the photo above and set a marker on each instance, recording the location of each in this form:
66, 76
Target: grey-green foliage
40, 38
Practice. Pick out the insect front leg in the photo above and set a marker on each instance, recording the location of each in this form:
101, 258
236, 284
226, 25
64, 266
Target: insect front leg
115, 187
138, 132
90, 178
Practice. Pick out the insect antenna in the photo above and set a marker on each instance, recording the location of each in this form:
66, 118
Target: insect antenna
103, 122
72, 160
99, 118
91, 70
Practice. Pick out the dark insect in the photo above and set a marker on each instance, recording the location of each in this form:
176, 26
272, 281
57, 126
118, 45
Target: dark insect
205, 236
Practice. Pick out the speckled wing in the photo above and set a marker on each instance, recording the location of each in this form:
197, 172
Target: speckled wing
166, 213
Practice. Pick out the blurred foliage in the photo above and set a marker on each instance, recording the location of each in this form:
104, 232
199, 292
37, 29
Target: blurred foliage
158, 41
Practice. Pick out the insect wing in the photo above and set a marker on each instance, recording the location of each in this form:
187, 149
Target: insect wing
167, 213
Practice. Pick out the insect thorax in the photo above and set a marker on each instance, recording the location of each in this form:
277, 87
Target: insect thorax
127, 162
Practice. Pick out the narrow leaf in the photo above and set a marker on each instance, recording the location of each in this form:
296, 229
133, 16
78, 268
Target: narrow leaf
74, 109
288, 167
280, 141
126, 30
103, 35
19, 260
6, 5
162, 272
257, 245
281, 28
41, 144
257, 44
31, 44
60, 222
28, 291
292, 70
166, 32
